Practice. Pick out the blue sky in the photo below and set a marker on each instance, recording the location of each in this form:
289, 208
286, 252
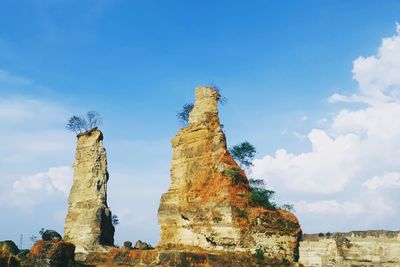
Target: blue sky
279, 63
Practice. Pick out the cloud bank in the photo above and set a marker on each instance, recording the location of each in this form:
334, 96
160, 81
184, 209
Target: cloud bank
353, 166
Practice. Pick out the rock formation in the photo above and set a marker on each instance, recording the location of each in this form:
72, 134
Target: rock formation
88, 223
53, 253
357, 248
207, 208
8, 254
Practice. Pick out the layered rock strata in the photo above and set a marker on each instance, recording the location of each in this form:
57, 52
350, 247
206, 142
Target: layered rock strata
357, 248
88, 223
208, 207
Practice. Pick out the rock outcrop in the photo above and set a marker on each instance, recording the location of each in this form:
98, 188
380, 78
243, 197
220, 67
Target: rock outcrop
8, 254
88, 224
51, 235
206, 207
54, 253
357, 248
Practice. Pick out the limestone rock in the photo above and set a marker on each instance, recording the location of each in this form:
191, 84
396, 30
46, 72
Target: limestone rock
52, 254
49, 235
204, 207
357, 248
88, 223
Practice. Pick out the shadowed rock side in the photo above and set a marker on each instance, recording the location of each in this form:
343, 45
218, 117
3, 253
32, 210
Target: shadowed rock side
208, 209
88, 222
357, 248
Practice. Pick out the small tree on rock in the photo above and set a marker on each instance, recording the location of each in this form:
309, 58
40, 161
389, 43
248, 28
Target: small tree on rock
183, 114
244, 153
94, 119
76, 124
79, 124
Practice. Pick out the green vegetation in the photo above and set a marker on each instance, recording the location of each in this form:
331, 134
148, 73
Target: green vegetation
259, 255
242, 213
244, 153
260, 195
183, 114
236, 174
288, 207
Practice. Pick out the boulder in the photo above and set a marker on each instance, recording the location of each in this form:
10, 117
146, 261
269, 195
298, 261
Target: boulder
8, 252
49, 235
52, 254
142, 245
128, 245
9, 246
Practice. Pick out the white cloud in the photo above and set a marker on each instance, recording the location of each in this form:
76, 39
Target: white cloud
32, 137
377, 75
34, 189
29, 191
316, 171
389, 180
360, 142
331, 207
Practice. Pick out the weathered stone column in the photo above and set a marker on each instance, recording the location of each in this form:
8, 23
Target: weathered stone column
88, 224
206, 206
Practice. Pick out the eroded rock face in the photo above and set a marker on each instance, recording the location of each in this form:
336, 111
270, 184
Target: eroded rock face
204, 207
88, 223
357, 248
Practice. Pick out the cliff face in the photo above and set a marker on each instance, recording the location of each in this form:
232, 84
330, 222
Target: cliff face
88, 222
207, 208
358, 248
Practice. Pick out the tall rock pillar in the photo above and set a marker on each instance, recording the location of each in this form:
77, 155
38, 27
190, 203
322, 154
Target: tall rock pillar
88, 224
208, 204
